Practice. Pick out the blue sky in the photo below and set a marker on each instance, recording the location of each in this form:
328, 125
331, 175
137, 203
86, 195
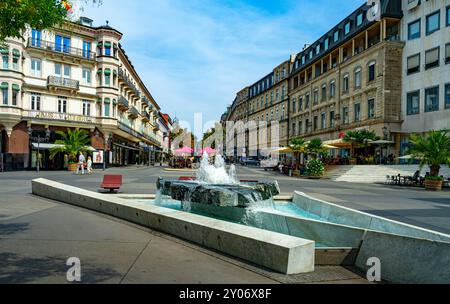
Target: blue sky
194, 55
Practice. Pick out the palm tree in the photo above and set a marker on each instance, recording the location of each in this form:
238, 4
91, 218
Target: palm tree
297, 146
432, 150
71, 143
361, 138
315, 147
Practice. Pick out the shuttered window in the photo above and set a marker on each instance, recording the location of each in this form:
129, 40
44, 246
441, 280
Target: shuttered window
432, 58
414, 64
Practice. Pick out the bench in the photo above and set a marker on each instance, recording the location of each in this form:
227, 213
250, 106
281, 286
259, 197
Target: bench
187, 178
111, 182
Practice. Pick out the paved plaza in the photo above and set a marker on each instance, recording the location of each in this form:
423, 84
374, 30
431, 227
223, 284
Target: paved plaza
37, 235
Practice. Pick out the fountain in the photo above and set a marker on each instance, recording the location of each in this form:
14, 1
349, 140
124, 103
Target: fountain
217, 187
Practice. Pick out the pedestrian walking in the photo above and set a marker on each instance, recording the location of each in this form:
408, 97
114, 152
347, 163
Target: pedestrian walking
89, 165
81, 161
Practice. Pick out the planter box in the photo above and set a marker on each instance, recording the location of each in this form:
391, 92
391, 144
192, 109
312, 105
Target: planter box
434, 185
72, 167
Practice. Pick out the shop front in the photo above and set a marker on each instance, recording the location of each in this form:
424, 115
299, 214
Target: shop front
125, 153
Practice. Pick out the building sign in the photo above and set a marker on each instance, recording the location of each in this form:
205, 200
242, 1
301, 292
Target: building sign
60, 116
97, 157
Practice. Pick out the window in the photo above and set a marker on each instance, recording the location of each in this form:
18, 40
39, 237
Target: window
311, 54
307, 125
107, 48
294, 104
87, 49
323, 121
345, 85
303, 59
62, 70
15, 95
300, 104
371, 108
316, 97
315, 123
347, 28
62, 105
332, 88
432, 58
447, 96
300, 127
87, 76
413, 103
283, 89
371, 72
324, 92
345, 115
447, 53
5, 60
326, 44
413, 64
359, 19
433, 22
357, 112
107, 107
358, 78
307, 101
318, 49
332, 119
414, 30
432, 99
15, 63
107, 77
448, 16
336, 36
277, 94
86, 108
5, 88
35, 101
35, 38
62, 44
293, 128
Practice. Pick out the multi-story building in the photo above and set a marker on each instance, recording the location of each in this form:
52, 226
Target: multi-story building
350, 78
75, 76
425, 28
269, 102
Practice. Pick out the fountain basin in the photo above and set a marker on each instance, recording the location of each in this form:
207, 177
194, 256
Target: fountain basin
224, 195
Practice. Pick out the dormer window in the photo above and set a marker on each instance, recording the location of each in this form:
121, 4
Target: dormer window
326, 44
347, 28
318, 49
311, 54
359, 19
336, 36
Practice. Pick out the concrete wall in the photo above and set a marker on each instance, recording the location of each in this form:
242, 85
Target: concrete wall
349, 217
406, 260
283, 253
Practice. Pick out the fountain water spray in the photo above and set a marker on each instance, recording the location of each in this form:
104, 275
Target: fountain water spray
216, 173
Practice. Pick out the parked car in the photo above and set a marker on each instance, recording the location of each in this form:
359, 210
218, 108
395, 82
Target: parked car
250, 162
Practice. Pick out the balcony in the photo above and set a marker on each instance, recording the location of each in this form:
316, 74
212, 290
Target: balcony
133, 113
123, 104
63, 83
51, 47
128, 82
145, 116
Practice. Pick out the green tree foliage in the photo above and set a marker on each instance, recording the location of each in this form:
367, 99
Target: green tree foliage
71, 143
315, 147
15, 15
431, 150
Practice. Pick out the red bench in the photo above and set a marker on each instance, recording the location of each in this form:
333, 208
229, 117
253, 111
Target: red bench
111, 182
187, 178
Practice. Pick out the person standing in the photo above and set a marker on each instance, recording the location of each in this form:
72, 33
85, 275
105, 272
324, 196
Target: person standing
89, 165
81, 160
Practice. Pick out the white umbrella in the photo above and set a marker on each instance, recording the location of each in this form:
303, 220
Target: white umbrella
381, 142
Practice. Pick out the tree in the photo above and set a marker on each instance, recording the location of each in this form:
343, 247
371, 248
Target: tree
297, 146
315, 147
432, 149
15, 15
71, 143
361, 138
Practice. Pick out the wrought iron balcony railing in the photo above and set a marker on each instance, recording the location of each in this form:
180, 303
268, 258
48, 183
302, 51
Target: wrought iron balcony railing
55, 81
61, 49
124, 102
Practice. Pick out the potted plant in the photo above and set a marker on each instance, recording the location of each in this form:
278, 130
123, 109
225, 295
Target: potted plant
297, 146
71, 144
315, 169
431, 150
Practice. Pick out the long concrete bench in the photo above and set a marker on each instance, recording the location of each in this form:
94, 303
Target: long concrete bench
279, 252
